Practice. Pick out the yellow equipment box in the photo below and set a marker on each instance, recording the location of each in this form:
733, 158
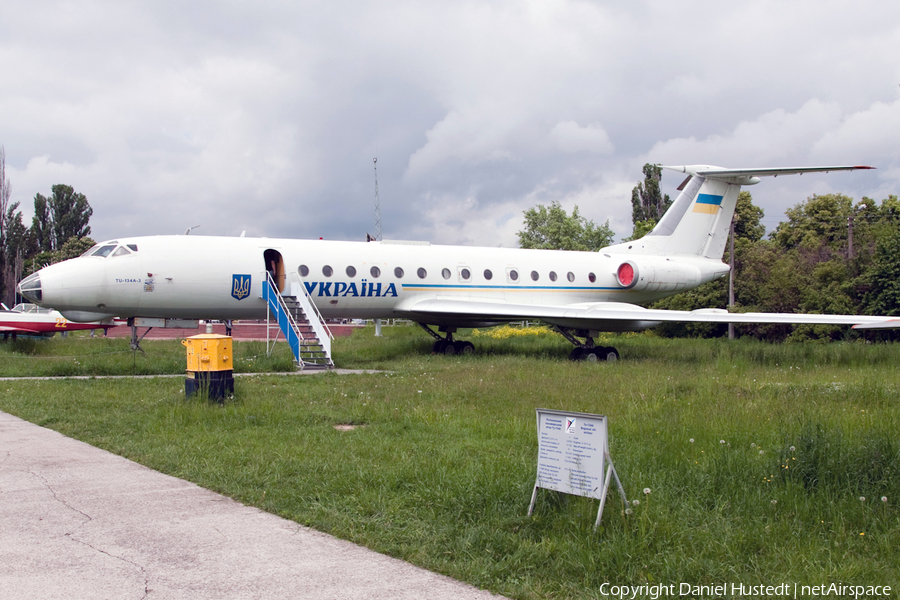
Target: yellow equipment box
208, 352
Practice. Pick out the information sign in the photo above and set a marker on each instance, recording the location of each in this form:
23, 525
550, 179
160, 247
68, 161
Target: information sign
573, 456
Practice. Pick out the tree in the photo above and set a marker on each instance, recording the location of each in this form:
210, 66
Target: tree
5, 193
819, 220
883, 295
70, 213
648, 204
41, 226
551, 228
64, 215
16, 246
747, 219
73, 248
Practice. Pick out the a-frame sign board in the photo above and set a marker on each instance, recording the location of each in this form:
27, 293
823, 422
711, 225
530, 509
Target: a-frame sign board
573, 457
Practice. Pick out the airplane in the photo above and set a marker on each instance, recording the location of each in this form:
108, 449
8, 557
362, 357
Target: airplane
28, 319
580, 294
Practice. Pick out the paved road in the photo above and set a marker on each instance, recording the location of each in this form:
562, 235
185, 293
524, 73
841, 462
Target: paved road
78, 522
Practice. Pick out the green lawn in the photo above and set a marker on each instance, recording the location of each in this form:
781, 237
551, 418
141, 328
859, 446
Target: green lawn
765, 463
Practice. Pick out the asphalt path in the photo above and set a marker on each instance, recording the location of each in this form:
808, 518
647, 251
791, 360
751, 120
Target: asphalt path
79, 522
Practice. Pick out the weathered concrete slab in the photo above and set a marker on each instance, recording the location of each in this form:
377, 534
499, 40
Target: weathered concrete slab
79, 522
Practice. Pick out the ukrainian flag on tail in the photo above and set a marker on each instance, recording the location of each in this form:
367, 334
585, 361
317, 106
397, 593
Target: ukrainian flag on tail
707, 204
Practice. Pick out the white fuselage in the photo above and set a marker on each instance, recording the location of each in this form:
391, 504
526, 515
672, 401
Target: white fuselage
197, 277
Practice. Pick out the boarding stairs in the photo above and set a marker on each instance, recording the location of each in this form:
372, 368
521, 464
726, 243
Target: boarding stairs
300, 323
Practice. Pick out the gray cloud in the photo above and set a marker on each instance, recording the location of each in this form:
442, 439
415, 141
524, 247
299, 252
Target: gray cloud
266, 116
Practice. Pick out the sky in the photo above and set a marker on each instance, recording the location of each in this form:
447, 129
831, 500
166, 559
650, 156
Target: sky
265, 117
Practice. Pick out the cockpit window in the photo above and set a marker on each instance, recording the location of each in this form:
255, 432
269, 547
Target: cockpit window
121, 251
104, 251
91, 251
133, 247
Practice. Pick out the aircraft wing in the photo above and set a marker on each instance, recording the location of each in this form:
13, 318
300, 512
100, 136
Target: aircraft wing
886, 324
619, 316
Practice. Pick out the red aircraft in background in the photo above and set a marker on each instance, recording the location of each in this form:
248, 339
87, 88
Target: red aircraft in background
30, 319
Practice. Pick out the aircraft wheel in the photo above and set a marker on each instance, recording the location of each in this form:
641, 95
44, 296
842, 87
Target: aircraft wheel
449, 348
577, 353
464, 348
438, 347
590, 355
611, 354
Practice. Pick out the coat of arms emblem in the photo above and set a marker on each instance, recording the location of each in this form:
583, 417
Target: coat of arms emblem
240, 286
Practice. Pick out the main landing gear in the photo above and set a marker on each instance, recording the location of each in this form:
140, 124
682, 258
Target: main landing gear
586, 350
447, 345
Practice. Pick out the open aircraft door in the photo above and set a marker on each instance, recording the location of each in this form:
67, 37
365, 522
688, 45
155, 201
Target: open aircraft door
275, 267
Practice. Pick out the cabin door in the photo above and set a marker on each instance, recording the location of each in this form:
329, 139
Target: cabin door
275, 267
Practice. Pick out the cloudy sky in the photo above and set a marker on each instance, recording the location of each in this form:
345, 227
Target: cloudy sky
265, 116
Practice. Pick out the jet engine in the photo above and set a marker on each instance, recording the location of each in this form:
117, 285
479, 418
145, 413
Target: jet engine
657, 275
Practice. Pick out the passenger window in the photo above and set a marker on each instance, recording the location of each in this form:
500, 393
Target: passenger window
552, 275
445, 273
487, 274
398, 273
375, 271
512, 275
327, 271
464, 274
422, 273
303, 270
570, 276
351, 271
592, 278
535, 276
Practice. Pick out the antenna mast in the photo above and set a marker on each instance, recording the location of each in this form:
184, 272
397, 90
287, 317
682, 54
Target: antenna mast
377, 204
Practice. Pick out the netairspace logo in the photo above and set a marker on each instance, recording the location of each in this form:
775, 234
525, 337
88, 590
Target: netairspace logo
782, 590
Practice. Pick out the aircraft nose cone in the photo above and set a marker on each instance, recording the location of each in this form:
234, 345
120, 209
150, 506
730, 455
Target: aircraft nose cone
30, 288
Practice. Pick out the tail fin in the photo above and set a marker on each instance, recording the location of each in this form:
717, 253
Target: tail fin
698, 222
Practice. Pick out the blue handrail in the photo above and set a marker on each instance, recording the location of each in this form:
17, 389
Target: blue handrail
277, 307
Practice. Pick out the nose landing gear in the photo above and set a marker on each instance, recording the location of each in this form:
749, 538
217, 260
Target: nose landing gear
135, 340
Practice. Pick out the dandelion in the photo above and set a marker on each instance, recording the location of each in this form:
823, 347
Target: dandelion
753, 445
628, 511
636, 502
692, 440
862, 498
761, 452
884, 499
721, 441
792, 449
646, 491
774, 502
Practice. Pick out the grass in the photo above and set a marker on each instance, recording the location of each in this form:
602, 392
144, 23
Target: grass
81, 355
756, 456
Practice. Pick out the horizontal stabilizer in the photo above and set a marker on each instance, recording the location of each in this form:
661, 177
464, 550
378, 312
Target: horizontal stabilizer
749, 176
